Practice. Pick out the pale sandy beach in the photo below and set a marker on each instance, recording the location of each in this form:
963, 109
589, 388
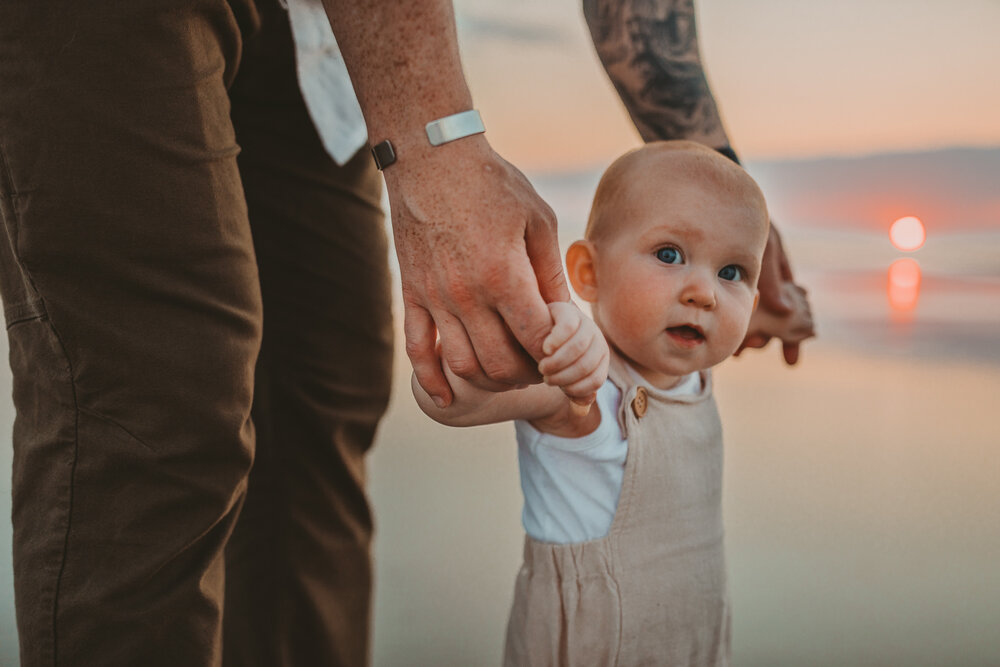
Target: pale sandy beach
861, 524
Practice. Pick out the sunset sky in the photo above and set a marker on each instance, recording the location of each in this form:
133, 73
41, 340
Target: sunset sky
793, 78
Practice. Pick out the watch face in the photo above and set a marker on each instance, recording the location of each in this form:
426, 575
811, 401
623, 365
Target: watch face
384, 154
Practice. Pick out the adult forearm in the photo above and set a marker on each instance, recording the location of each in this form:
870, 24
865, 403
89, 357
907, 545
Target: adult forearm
403, 78
477, 248
650, 51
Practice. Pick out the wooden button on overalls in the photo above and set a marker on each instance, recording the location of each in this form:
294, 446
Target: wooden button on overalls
639, 402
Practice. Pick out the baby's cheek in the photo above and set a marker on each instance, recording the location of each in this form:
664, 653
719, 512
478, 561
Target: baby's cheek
743, 322
631, 314
619, 323
737, 324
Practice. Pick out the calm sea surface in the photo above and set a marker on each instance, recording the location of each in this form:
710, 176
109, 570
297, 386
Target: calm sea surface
862, 486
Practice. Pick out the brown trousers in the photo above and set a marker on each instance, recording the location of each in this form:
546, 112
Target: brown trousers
198, 309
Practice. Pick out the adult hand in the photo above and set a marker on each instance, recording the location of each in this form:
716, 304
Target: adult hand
792, 328
783, 311
479, 260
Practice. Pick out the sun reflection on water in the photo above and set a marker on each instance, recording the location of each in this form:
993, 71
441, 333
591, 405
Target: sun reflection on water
904, 288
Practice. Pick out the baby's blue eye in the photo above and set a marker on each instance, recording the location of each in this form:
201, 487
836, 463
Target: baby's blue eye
669, 255
731, 272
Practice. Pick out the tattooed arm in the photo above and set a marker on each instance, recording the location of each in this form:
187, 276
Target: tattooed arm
650, 51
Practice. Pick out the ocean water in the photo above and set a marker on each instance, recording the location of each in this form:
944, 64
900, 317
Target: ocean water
862, 486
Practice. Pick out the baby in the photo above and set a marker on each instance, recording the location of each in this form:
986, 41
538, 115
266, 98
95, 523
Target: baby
623, 558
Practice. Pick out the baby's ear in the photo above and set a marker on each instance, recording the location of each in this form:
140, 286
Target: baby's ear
581, 271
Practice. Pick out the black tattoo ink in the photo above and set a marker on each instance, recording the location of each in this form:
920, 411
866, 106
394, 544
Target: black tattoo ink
650, 50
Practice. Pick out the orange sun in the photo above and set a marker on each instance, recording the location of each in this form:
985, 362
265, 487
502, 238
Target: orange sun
907, 233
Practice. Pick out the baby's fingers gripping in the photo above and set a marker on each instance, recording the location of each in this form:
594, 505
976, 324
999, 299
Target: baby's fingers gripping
566, 320
570, 352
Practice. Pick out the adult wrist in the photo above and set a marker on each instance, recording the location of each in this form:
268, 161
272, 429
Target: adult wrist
437, 132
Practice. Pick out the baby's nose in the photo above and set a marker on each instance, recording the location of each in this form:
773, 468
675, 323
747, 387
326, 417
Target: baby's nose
699, 292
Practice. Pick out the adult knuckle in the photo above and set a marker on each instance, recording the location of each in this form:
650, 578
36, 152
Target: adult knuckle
500, 371
456, 290
496, 279
464, 367
416, 350
550, 274
546, 215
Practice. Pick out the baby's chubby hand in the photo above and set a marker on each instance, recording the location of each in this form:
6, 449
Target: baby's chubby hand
576, 356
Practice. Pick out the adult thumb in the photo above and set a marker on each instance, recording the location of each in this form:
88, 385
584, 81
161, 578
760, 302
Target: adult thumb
542, 245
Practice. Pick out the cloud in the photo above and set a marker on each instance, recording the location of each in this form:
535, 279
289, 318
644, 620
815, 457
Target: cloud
508, 29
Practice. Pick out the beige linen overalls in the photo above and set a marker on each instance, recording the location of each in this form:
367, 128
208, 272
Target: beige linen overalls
653, 591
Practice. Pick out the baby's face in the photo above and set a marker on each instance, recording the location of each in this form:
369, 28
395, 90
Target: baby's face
677, 280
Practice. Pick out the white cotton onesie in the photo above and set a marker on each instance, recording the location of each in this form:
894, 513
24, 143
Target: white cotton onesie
571, 485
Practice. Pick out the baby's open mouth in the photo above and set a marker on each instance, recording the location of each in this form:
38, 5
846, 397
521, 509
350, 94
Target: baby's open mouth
686, 332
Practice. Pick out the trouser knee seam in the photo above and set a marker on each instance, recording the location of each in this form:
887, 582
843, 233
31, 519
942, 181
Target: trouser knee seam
72, 482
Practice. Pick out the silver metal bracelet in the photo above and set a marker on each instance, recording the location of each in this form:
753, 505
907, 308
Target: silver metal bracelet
456, 126
440, 131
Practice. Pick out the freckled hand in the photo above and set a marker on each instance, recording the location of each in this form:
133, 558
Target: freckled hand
479, 260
